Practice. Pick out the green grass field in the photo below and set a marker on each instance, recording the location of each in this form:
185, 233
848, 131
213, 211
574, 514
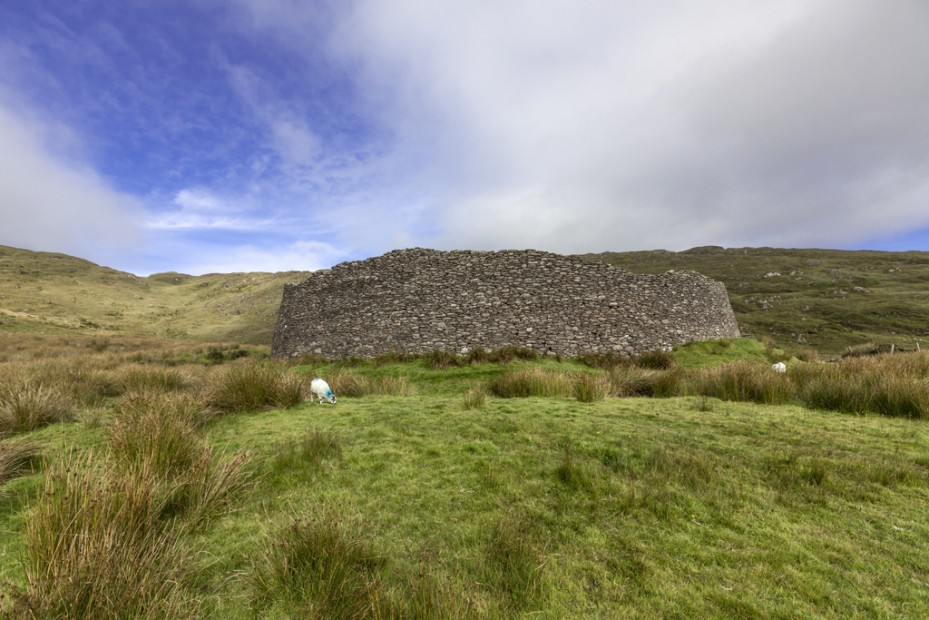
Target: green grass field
416, 499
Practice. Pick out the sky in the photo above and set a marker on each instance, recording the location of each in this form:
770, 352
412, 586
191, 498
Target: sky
207, 136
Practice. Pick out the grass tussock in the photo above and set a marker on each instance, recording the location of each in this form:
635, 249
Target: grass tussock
475, 397
27, 405
16, 458
251, 386
744, 381
532, 382
656, 360
625, 381
355, 385
321, 568
99, 547
140, 378
589, 388
164, 443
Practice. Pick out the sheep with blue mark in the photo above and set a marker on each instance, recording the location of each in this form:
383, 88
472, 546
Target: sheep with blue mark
319, 388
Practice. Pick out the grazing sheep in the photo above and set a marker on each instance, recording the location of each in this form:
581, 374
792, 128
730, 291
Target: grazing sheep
779, 367
320, 388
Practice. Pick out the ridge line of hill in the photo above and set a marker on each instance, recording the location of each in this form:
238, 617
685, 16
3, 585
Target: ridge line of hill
815, 298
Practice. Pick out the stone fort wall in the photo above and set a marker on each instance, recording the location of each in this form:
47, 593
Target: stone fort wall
420, 300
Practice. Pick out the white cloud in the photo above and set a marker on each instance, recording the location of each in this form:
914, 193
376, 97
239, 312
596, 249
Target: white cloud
294, 142
297, 256
51, 200
590, 125
200, 209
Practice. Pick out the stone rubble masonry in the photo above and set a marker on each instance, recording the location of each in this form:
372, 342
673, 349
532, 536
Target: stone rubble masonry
420, 300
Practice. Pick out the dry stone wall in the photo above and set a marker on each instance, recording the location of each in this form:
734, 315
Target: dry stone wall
420, 300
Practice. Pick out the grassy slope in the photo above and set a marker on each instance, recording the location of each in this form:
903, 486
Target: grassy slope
824, 299
56, 293
627, 507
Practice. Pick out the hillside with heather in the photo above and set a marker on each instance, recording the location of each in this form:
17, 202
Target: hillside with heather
825, 300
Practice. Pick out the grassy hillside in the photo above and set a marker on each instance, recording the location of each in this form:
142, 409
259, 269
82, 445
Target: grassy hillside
55, 293
822, 299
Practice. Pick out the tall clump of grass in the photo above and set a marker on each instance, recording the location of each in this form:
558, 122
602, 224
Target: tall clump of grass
475, 397
163, 442
440, 360
139, 378
627, 381
590, 388
532, 382
26, 405
355, 385
607, 361
251, 386
99, 547
510, 353
16, 458
745, 381
656, 360
893, 386
320, 568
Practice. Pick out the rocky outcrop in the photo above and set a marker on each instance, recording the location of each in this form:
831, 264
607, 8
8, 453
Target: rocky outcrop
423, 300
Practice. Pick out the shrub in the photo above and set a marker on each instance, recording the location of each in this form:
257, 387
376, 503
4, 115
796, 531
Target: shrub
534, 382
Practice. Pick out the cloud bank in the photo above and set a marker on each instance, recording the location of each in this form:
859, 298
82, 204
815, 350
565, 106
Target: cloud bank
55, 203
288, 134
579, 126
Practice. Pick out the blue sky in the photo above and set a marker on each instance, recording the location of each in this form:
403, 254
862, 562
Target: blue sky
270, 135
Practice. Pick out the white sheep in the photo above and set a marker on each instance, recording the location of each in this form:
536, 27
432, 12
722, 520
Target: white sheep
779, 367
320, 388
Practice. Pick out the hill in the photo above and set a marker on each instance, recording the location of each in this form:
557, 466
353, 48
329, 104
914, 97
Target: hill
822, 299
56, 293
